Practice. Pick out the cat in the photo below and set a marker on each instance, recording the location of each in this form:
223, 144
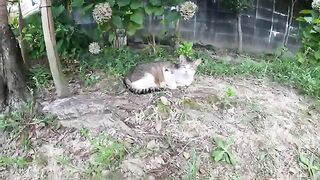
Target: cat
156, 76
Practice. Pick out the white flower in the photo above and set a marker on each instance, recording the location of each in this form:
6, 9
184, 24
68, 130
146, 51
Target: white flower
316, 5
102, 12
94, 48
188, 9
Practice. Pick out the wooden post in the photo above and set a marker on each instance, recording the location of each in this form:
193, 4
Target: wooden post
52, 53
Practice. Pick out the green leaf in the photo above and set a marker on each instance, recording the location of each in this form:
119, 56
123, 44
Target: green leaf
77, 3
111, 2
305, 11
116, 20
158, 11
172, 16
111, 37
87, 8
317, 55
122, 3
217, 155
148, 9
132, 28
219, 142
232, 159
135, 4
137, 17
57, 11
308, 19
155, 2
303, 159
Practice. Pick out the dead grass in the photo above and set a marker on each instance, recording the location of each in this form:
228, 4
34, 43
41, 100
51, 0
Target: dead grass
171, 134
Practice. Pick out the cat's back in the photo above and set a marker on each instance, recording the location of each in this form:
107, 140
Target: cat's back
154, 68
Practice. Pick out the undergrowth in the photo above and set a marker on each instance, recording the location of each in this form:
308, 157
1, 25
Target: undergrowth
286, 71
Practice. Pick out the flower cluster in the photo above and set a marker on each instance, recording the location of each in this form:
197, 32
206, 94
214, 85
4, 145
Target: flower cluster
102, 12
316, 5
94, 48
188, 9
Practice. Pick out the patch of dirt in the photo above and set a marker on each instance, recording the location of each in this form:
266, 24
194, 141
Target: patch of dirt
269, 124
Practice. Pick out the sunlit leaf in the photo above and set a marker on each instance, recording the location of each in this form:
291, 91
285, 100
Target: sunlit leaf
122, 3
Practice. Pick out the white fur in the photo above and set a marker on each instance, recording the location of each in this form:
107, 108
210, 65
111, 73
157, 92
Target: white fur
183, 76
146, 82
169, 78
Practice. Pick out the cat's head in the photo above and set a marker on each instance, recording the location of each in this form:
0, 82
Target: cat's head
185, 67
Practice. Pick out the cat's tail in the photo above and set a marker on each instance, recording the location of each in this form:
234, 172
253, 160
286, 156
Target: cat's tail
128, 85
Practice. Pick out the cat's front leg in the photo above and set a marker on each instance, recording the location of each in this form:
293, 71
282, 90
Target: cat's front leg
172, 85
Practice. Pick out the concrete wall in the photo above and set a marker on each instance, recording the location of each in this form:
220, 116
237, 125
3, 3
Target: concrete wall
264, 27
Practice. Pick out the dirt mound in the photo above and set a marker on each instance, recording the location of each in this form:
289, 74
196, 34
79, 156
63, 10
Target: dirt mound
174, 133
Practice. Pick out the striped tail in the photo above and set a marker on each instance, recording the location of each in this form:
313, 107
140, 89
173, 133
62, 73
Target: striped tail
128, 85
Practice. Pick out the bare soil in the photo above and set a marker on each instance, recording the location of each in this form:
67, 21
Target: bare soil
170, 135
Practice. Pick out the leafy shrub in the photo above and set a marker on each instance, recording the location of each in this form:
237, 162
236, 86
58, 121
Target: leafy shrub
186, 49
126, 17
70, 39
310, 51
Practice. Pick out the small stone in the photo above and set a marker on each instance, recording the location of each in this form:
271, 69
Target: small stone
186, 155
158, 126
280, 148
231, 110
164, 100
152, 145
135, 166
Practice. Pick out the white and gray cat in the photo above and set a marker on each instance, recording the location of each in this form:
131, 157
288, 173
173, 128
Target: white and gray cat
155, 76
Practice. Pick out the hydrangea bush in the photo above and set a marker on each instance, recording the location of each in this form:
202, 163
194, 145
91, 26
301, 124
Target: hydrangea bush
316, 5
128, 16
102, 12
188, 10
94, 48
310, 36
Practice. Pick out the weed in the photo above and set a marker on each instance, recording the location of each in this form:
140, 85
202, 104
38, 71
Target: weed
114, 62
107, 151
186, 49
63, 160
193, 167
222, 152
84, 132
227, 101
19, 162
41, 77
163, 109
40, 160
18, 124
285, 70
309, 164
91, 79
190, 103
229, 93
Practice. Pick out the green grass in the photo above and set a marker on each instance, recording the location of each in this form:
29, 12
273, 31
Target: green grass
19, 162
285, 71
115, 62
107, 153
193, 166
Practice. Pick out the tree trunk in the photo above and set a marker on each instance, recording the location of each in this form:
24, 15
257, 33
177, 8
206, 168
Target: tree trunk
239, 33
13, 87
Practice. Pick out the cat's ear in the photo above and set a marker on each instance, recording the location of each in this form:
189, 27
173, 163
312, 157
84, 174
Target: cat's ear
197, 63
182, 59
